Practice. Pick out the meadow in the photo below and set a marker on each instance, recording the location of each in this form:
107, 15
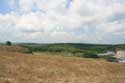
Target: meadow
46, 67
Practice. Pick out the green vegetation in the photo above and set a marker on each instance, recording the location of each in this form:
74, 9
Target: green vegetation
81, 50
8, 43
108, 58
73, 48
89, 55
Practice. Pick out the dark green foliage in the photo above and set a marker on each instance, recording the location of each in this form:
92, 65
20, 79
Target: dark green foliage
8, 43
81, 50
108, 58
90, 55
72, 48
53, 48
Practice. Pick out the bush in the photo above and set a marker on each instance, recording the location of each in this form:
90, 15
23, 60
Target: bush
109, 58
90, 55
8, 43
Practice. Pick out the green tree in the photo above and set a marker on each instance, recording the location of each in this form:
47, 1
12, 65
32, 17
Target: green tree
90, 55
8, 43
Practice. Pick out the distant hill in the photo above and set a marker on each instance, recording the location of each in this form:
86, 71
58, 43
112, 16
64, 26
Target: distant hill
67, 47
71, 47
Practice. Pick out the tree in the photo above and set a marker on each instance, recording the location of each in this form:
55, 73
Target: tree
90, 55
8, 43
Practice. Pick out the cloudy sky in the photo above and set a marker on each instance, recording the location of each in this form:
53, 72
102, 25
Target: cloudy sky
61, 21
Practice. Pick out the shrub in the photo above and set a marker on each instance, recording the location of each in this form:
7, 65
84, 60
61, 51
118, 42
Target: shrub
89, 55
109, 58
8, 43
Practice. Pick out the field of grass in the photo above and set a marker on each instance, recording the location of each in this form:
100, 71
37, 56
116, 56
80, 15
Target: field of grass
14, 48
45, 68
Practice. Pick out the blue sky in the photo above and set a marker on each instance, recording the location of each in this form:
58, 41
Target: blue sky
61, 21
4, 7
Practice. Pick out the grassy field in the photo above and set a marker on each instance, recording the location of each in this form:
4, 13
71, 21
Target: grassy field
14, 48
45, 68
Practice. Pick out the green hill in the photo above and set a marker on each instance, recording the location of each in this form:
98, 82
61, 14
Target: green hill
69, 47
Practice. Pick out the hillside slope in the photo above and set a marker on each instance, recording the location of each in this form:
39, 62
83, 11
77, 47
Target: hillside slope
26, 68
68, 47
13, 48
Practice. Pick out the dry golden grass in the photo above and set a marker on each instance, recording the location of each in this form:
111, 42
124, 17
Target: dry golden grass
13, 48
26, 68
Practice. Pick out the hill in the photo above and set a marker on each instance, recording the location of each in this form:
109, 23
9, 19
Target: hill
68, 47
13, 48
43, 68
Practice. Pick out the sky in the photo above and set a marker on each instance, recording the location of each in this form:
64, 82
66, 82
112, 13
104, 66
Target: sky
63, 21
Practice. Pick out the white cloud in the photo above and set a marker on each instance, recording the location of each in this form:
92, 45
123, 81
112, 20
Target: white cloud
51, 21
